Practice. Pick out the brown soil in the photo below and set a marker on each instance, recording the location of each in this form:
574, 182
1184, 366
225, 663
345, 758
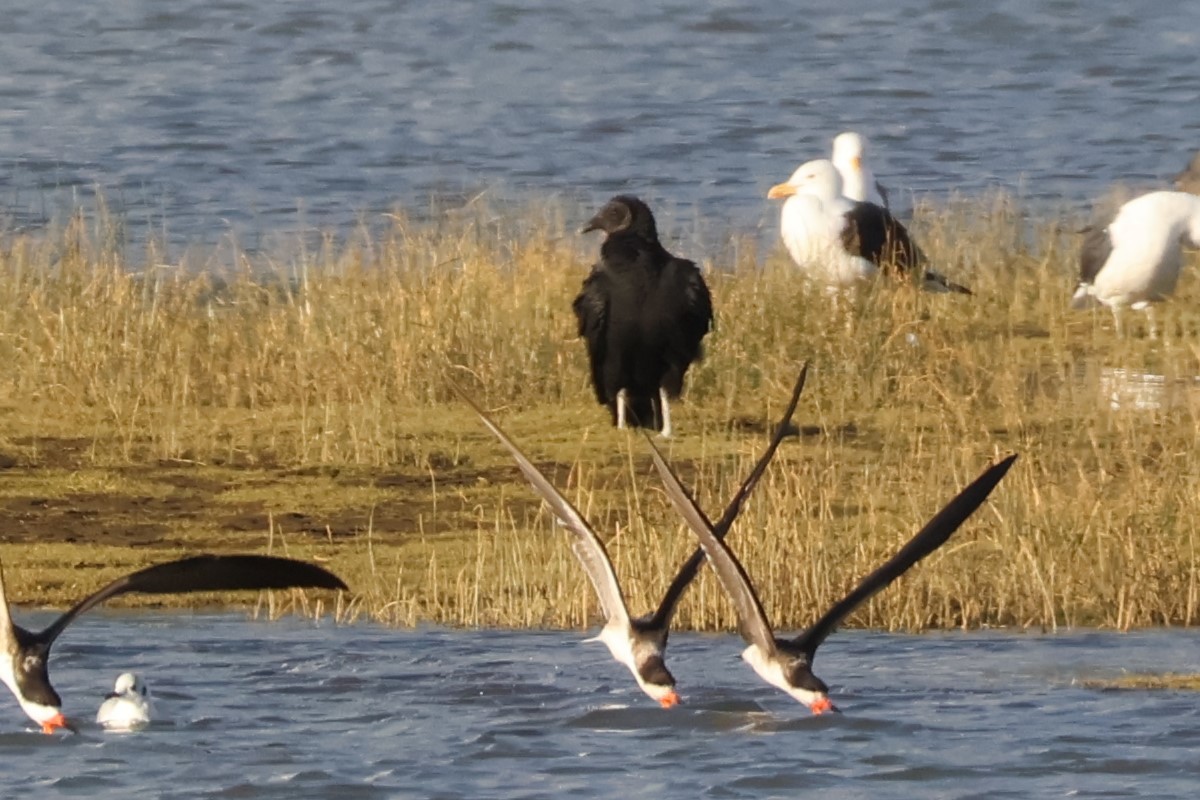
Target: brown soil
172, 495
62, 518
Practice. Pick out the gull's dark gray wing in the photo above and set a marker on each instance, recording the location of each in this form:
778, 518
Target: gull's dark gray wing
1094, 252
687, 573
873, 233
930, 538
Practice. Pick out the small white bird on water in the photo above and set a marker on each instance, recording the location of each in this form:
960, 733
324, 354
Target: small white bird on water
858, 180
1134, 261
127, 707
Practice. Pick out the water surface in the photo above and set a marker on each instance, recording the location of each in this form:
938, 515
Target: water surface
296, 710
202, 119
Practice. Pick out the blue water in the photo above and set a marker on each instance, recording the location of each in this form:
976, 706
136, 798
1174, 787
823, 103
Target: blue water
202, 120
292, 709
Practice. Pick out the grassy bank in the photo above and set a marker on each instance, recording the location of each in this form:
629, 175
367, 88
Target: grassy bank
301, 405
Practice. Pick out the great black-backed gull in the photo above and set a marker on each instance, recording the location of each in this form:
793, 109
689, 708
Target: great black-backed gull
838, 241
1134, 260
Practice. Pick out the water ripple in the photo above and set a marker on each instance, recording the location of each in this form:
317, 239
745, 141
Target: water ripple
226, 117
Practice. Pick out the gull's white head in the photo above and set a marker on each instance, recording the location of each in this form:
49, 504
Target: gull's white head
858, 181
818, 178
849, 150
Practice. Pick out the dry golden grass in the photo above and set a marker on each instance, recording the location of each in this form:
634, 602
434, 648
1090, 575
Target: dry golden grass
337, 360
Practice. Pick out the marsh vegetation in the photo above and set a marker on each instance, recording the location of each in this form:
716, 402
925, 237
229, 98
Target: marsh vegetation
151, 408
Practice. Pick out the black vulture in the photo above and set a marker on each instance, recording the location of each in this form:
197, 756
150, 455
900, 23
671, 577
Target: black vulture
643, 313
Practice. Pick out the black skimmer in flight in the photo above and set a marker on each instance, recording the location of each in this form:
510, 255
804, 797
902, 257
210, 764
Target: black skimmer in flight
787, 663
639, 643
23, 662
127, 707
